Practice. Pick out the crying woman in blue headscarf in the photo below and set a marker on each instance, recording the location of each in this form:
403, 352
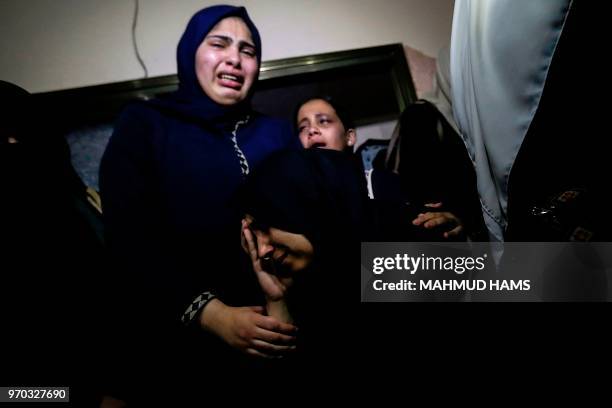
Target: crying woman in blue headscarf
169, 179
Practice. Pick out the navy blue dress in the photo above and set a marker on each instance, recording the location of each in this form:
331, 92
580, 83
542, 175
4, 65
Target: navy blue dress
169, 198
169, 184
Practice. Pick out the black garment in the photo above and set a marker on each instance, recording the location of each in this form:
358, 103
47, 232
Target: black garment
566, 147
321, 194
434, 166
393, 209
311, 192
51, 257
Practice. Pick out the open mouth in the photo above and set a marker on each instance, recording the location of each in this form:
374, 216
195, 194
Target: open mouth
230, 80
319, 144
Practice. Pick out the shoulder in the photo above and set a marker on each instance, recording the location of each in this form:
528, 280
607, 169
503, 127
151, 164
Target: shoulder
260, 119
141, 113
140, 119
277, 129
135, 130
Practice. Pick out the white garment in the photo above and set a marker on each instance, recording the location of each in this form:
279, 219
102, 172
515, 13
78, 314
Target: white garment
441, 95
501, 51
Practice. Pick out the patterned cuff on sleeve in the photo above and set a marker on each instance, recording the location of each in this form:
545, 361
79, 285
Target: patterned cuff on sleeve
195, 306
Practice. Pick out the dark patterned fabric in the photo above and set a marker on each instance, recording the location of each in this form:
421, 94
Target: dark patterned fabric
195, 306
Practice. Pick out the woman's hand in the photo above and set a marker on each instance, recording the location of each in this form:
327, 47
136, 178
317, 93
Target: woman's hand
452, 223
247, 329
275, 287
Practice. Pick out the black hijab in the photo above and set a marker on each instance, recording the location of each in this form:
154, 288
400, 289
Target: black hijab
319, 193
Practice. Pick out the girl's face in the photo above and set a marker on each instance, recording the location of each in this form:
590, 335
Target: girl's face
226, 62
319, 126
289, 251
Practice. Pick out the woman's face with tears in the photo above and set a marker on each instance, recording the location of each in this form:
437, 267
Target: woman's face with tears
320, 126
226, 62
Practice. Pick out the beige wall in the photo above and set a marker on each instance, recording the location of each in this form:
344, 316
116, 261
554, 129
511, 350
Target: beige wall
57, 44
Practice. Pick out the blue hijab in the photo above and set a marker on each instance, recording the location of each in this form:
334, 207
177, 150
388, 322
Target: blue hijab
190, 101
